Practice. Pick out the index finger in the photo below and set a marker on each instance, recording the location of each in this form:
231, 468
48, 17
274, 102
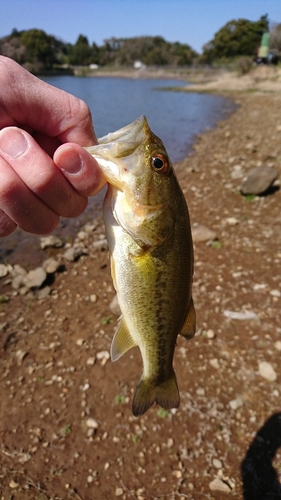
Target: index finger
30, 102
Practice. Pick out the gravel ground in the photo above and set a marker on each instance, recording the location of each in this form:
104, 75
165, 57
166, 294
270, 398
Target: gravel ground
66, 427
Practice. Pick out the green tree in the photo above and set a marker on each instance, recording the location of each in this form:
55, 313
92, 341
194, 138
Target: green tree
237, 38
40, 47
81, 52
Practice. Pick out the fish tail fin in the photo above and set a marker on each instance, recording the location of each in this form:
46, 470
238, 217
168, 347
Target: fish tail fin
165, 394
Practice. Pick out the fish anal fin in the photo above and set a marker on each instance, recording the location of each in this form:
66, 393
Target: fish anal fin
165, 394
189, 328
122, 341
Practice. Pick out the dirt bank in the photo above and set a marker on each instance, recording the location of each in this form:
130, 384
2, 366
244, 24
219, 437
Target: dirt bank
66, 425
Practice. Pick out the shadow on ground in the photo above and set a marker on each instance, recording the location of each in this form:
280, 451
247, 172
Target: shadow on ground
260, 479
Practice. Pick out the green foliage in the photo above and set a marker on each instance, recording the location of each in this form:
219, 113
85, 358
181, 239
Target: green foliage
82, 54
40, 47
237, 38
39, 51
162, 413
120, 399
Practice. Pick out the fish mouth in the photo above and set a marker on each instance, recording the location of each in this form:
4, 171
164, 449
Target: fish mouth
113, 149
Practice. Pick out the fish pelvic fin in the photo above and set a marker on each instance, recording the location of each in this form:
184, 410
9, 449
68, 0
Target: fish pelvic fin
189, 328
122, 341
165, 394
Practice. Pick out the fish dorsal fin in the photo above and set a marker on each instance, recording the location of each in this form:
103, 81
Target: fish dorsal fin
122, 341
189, 328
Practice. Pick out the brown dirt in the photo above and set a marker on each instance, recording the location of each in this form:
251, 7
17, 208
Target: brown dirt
49, 388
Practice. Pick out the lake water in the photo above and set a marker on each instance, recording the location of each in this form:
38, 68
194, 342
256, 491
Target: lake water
176, 117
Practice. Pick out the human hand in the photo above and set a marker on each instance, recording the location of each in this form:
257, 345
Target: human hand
44, 171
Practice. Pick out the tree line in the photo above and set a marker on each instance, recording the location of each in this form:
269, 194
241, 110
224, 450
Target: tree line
39, 51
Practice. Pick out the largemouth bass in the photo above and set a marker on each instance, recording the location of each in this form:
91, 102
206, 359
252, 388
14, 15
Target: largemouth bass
149, 238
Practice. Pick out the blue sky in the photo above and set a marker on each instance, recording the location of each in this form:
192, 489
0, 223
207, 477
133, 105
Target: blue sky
188, 21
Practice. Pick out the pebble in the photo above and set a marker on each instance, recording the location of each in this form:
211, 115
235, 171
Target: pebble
92, 423
103, 356
275, 293
215, 363
232, 221
258, 180
210, 334
267, 371
90, 361
217, 463
35, 278
50, 241
236, 403
100, 244
50, 265
3, 270
242, 315
118, 492
114, 306
43, 293
73, 253
13, 484
202, 233
278, 345
219, 485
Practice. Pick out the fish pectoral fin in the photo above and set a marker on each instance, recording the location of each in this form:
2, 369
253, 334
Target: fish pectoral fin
189, 328
122, 341
165, 394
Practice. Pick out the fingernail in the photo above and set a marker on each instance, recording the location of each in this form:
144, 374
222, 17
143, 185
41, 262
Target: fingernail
70, 161
12, 142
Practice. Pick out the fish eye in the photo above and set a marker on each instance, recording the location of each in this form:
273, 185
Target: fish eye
159, 163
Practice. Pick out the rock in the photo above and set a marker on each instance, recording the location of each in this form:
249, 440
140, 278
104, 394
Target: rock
236, 403
100, 244
215, 363
17, 270
50, 241
232, 221
217, 463
237, 172
114, 306
258, 180
3, 270
43, 293
73, 253
20, 355
90, 361
92, 423
202, 233
278, 345
35, 278
17, 282
13, 484
210, 334
219, 485
242, 315
50, 265
267, 371
275, 293
103, 357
